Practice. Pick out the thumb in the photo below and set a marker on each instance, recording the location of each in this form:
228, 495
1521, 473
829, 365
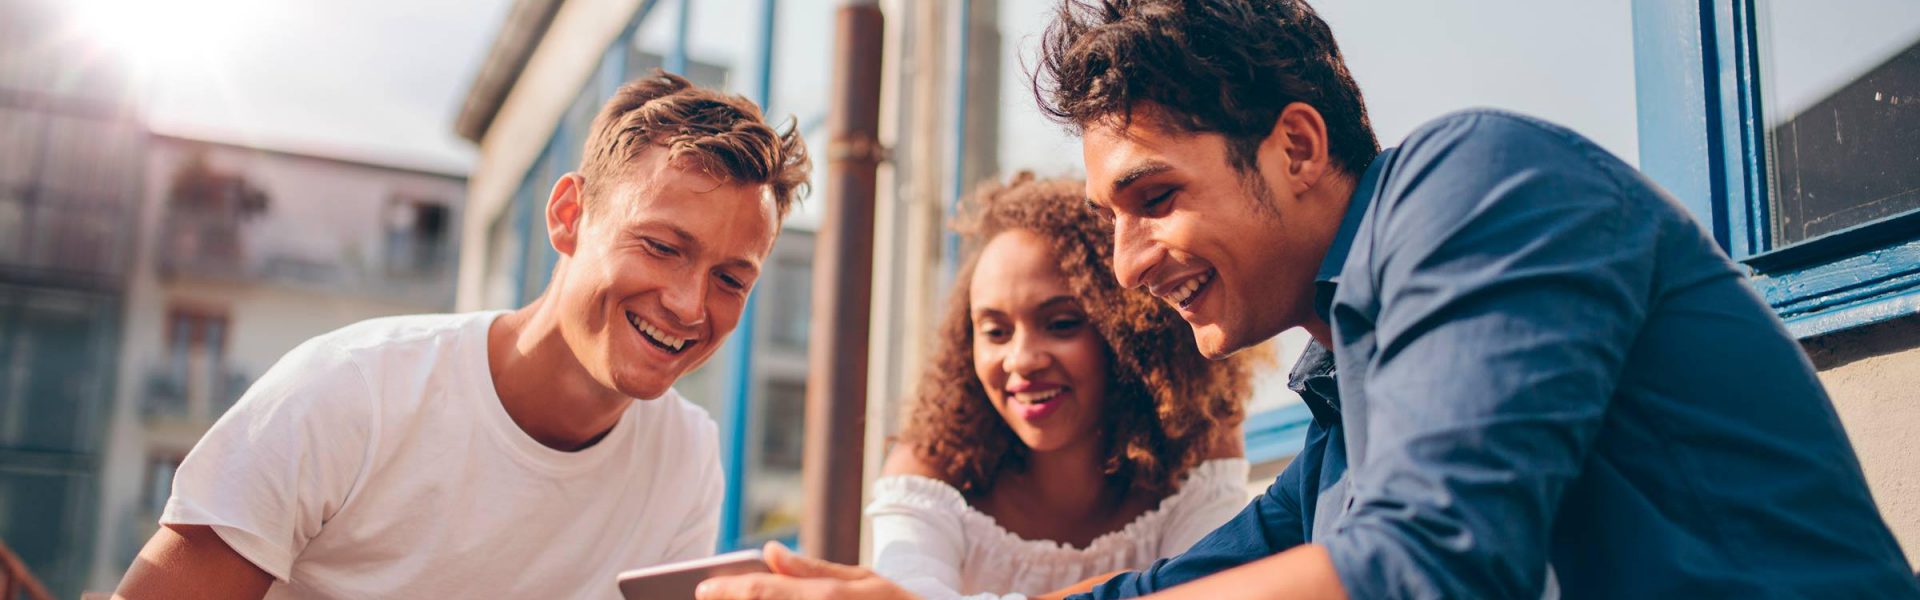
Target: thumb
785, 562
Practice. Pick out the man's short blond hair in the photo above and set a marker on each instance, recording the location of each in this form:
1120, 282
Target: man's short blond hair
725, 135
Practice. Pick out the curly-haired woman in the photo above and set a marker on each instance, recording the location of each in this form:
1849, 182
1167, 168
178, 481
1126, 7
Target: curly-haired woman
1066, 428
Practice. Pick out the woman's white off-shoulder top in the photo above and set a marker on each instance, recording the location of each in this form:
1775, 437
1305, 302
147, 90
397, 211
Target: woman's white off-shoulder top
930, 541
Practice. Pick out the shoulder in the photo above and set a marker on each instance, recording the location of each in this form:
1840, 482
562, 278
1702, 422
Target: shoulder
339, 373
1472, 129
681, 424
1210, 486
402, 333
1486, 147
907, 482
905, 459
1489, 168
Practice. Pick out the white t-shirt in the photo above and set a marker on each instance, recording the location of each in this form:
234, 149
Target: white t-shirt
377, 462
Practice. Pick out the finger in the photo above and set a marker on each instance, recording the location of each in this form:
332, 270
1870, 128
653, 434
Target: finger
758, 586
764, 586
785, 562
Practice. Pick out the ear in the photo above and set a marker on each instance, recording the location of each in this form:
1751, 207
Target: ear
1300, 137
565, 213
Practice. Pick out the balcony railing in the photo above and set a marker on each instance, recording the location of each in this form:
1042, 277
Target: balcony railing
214, 247
171, 395
15, 579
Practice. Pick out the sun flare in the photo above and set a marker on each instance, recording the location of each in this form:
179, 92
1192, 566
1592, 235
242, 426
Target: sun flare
157, 36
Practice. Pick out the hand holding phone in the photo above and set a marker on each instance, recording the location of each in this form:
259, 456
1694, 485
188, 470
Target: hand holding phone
676, 581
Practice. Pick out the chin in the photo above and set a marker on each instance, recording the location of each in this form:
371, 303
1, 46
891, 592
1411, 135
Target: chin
1212, 342
641, 387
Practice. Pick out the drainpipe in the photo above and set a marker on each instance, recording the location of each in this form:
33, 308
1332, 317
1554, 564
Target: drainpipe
842, 292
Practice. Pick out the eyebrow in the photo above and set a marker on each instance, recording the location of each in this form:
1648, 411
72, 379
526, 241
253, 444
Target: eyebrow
1049, 303
1055, 301
1138, 172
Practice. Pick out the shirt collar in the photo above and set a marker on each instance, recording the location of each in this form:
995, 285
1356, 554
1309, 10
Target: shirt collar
1363, 191
1313, 378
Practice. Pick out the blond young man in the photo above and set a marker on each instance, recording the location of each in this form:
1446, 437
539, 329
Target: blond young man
527, 453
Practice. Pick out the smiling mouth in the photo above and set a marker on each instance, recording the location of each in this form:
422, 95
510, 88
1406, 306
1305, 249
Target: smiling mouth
653, 335
1039, 398
1184, 295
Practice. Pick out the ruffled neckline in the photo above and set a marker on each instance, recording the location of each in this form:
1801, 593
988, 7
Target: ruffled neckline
931, 493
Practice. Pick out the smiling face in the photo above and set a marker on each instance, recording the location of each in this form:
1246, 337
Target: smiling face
1235, 254
1042, 363
656, 273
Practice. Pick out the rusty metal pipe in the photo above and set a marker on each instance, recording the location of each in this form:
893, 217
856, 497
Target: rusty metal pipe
842, 292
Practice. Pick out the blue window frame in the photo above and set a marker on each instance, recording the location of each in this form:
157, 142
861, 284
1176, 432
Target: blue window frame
1703, 136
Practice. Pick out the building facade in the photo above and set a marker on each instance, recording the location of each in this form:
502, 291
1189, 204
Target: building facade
70, 166
244, 253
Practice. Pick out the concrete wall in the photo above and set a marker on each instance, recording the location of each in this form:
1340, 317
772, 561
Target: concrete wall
1874, 378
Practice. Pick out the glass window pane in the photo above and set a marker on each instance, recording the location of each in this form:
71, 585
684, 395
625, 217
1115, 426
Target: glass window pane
653, 39
1841, 97
802, 66
723, 45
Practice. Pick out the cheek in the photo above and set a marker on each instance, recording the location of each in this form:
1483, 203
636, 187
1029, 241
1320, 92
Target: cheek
1086, 359
725, 309
986, 367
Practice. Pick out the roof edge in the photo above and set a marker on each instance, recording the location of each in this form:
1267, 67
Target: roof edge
526, 25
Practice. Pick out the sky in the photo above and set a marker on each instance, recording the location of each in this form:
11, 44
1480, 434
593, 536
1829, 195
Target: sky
376, 80
1568, 62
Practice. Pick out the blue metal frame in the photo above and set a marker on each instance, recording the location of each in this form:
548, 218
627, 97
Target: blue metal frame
1701, 136
740, 356
963, 79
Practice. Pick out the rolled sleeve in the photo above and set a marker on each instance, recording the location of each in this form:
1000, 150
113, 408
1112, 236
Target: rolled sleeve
1503, 290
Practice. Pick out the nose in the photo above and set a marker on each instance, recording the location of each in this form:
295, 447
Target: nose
1026, 356
686, 302
1133, 253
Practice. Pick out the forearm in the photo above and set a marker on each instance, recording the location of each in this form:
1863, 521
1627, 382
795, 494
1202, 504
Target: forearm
1304, 572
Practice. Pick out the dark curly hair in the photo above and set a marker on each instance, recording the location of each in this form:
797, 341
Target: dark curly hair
1208, 66
1165, 401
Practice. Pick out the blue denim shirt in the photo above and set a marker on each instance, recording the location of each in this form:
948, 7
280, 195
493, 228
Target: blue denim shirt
1544, 360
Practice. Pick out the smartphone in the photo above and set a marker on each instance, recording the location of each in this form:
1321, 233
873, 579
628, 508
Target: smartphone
676, 581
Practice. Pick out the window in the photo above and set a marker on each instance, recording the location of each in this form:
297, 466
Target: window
191, 381
417, 232
1790, 129
160, 471
1840, 91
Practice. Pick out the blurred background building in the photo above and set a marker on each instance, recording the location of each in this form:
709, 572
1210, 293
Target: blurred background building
243, 254
146, 278
71, 161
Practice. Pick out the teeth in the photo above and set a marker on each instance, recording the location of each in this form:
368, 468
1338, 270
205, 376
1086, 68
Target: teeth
1180, 295
1040, 397
654, 332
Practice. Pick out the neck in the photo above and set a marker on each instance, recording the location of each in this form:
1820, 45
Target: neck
1333, 197
1069, 481
1320, 330
543, 386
